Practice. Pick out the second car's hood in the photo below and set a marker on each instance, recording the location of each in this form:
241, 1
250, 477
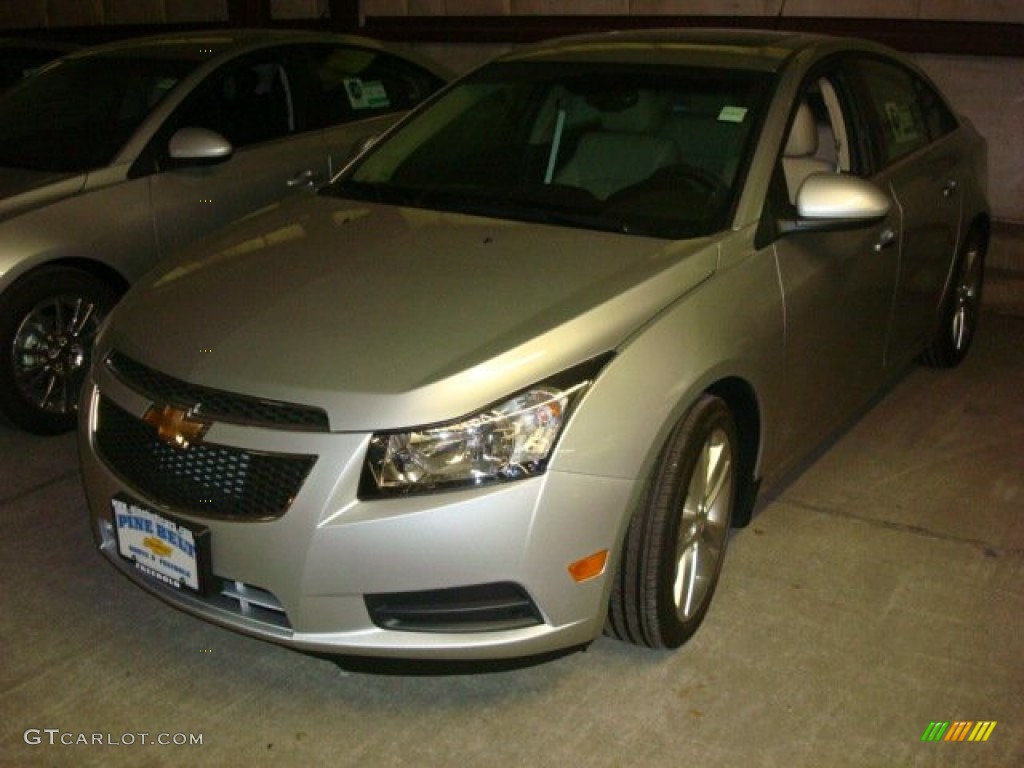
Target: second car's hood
20, 188
388, 317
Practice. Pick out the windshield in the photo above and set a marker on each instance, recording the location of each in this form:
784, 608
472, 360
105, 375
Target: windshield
75, 116
653, 151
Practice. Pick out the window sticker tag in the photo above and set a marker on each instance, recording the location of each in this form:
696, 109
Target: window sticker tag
366, 95
732, 115
902, 126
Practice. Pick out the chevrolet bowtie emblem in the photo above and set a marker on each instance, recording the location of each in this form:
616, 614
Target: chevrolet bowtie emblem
157, 547
174, 426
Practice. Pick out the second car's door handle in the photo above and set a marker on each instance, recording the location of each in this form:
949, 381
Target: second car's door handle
302, 179
887, 238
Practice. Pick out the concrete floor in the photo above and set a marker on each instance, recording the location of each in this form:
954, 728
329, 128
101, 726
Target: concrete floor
879, 591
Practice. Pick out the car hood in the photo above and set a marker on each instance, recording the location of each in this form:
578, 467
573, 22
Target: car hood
21, 189
390, 317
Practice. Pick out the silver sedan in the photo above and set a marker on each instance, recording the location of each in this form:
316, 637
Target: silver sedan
116, 156
510, 380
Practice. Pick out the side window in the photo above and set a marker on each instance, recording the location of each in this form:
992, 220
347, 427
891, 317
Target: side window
248, 101
909, 114
359, 83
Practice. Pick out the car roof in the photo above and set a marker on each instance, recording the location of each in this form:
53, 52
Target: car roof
764, 50
204, 45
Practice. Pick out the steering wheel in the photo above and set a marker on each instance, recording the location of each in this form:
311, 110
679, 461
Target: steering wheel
691, 180
696, 177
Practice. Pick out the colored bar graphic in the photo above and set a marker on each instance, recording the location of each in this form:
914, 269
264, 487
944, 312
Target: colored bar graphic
982, 731
958, 730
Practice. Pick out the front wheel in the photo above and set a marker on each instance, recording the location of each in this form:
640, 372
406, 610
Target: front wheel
48, 322
676, 541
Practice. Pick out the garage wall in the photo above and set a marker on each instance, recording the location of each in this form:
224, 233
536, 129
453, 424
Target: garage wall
975, 10
32, 14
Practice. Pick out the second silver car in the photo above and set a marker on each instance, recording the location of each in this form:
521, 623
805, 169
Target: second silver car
115, 156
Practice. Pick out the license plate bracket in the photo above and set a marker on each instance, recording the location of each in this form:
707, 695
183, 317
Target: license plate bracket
166, 548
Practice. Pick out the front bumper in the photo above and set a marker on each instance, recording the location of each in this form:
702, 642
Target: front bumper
470, 574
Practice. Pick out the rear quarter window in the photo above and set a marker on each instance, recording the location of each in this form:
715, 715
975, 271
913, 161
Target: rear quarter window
358, 83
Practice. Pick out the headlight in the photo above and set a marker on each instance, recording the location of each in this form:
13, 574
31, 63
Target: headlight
509, 440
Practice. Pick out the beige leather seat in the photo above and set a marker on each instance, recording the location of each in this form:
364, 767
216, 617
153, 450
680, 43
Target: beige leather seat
798, 158
625, 151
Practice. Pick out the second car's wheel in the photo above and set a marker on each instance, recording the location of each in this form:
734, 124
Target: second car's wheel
961, 308
676, 541
48, 322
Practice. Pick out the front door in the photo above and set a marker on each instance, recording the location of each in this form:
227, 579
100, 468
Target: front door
257, 104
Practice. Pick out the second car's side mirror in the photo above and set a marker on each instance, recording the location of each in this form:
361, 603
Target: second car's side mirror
198, 146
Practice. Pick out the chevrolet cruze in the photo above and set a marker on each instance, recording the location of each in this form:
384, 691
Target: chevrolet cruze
512, 377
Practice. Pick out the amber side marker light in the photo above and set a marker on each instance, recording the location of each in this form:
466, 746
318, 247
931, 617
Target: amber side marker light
589, 567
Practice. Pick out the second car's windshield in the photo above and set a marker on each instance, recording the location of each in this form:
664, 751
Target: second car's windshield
642, 150
75, 115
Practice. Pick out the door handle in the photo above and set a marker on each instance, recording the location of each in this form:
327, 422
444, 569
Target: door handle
950, 189
887, 238
302, 179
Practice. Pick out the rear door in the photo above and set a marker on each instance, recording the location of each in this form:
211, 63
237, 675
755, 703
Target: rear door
919, 162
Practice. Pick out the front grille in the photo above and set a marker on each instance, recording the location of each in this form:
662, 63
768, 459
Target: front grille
477, 608
214, 404
204, 479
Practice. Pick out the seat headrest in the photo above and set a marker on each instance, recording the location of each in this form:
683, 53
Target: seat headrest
803, 136
643, 116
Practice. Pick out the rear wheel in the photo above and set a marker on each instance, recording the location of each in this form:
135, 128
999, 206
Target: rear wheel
48, 322
961, 308
676, 541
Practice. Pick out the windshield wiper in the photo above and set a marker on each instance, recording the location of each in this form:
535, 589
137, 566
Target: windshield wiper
542, 204
375, 192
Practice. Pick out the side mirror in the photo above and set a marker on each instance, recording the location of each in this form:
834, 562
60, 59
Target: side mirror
830, 201
198, 146
834, 196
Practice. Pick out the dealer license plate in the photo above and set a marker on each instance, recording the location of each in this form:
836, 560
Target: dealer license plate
172, 551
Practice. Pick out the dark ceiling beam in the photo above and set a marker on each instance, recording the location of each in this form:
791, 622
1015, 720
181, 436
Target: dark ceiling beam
344, 15
248, 13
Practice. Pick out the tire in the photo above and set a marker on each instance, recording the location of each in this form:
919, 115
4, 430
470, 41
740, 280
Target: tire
48, 323
958, 323
676, 541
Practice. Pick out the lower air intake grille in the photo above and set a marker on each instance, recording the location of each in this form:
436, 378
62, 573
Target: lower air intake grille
479, 608
204, 479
